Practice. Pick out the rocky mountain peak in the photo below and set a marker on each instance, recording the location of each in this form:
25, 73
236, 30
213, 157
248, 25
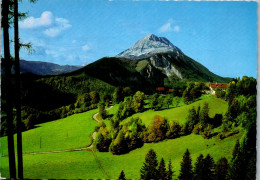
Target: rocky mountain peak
148, 45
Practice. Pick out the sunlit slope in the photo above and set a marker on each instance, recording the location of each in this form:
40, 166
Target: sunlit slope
216, 106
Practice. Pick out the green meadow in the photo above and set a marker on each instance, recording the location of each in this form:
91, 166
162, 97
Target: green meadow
82, 165
74, 131
68, 133
216, 106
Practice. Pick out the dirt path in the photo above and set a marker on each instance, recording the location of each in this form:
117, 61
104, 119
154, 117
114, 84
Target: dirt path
100, 165
68, 150
95, 115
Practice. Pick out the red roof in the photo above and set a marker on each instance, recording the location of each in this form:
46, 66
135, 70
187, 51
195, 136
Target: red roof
160, 89
220, 85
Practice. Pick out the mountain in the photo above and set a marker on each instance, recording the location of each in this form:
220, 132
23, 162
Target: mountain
45, 68
148, 46
160, 68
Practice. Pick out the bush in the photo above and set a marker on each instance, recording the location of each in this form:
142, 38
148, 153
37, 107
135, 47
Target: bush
103, 140
198, 129
174, 129
157, 130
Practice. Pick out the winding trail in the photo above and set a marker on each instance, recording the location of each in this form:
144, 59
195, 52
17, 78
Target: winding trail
68, 150
87, 148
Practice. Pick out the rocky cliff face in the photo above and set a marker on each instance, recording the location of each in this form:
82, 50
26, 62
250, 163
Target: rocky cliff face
148, 46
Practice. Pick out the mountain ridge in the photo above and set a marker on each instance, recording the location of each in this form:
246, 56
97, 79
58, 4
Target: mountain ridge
149, 45
45, 68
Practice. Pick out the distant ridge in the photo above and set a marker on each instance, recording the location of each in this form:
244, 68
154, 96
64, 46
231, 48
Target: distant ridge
45, 68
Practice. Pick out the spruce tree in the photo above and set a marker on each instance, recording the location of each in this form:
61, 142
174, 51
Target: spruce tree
221, 170
199, 167
235, 150
204, 115
122, 176
149, 169
209, 168
169, 173
162, 170
186, 172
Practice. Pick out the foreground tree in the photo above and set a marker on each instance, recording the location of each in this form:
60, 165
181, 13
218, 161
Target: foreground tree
162, 170
199, 167
221, 170
186, 172
209, 168
169, 173
149, 169
7, 87
122, 176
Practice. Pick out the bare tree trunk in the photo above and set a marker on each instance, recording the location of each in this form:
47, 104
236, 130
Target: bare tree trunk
18, 94
9, 113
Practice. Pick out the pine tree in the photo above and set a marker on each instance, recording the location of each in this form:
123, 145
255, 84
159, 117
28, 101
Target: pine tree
122, 176
204, 115
199, 167
235, 150
149, 169
221, 170
209, 168
186, 172
186, 96
162, 170
169, 173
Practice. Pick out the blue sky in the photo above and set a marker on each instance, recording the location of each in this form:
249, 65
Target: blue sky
220, 35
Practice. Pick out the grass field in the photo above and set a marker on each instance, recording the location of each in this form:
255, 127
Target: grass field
82, 165
73, 132
68, 133
180, 113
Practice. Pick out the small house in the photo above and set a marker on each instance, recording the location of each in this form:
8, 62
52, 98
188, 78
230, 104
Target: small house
214, 86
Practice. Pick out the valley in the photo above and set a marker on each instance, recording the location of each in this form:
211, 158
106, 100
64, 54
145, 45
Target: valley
148, 107
75, 131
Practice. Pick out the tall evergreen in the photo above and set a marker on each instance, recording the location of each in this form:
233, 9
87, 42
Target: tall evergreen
169, 173
204, 115
122, 176
199, 168
18, 94
186, 172
7, 87
235, 150
221, 170
162, 170
149, 169
209, 168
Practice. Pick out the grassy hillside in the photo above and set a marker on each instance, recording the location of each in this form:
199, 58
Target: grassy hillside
82, 165
216, 106
68, 133
73, 132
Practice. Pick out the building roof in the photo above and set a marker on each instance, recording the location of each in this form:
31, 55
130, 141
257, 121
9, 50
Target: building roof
160, 89
220, 85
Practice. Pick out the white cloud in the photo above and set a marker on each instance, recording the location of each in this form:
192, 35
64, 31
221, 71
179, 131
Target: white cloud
168, 27
176, 29
45, 20
85, 48
51, 26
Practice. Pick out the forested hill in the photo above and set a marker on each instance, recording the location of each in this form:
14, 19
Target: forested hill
45, 68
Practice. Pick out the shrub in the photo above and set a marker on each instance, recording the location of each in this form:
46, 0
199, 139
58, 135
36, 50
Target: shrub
174, 129
157, 130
